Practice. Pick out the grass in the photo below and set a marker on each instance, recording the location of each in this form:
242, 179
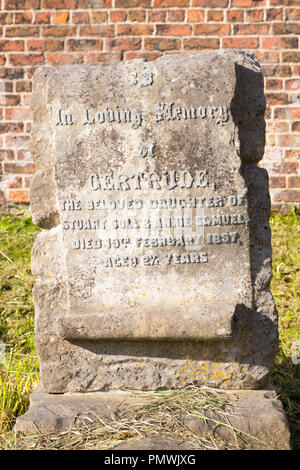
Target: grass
285, 287
19, 370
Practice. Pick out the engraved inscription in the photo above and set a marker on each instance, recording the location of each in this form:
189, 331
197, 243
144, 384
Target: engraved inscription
170, 111
149, 180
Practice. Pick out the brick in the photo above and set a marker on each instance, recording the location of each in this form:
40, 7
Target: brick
277, 181
100, 17
173, 30
24, 155
133, 3
6, 18
95, 57
196, 16
294, 182
267, 57
27, 181
84, 4
271, 139
289, 113
58, 4
42, 17
251, 29
171, 3
6, 87
123, 44
279, 43
18, 113
26, 97
84, 44
137, 15
65, 59
176, 15
296, 126
287, 196
286, 168
11, 127
210, 3
26, 59
161, 44
22, 31
201, 43
118, 16
292, 155
276, 98
18, 168
9, 100
286, 28
19, 195
24, 17
235, 16
248, 3
293, 84
7, 154
157, 16
240, 43
17, 141
296, 70
11, 45
273, 14
45, 45
293, 14
212, 29
58, 31
294, 99
142, 55
107, 31
13, 182
84, 17
215, 15
61, 17
21, 4
291, 56
254, 15
285, 2
134, 30
277, 70
2, 59
277, 126
11, 73
29, 72
289, 140
274, 84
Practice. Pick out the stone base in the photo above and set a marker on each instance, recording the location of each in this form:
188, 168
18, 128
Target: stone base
256, 413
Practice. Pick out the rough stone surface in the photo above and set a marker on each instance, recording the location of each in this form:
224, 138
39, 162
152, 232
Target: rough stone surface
153, 443
122, 299
256, 415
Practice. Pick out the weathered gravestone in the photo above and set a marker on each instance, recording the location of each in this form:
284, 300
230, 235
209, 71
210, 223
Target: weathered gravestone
154, 263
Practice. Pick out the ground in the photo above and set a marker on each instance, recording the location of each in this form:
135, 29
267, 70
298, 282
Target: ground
19, 365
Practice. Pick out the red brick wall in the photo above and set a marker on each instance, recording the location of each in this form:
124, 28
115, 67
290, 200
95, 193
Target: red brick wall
54, 32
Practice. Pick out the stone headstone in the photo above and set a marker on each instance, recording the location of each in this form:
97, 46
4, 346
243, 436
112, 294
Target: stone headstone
154, 263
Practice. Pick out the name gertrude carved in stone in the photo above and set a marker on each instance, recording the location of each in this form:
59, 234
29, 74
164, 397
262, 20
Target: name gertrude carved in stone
148, 180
